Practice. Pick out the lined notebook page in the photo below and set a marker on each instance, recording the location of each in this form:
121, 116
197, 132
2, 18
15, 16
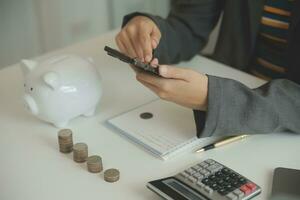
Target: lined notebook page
171, 128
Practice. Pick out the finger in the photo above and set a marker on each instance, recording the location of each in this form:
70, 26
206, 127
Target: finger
138, 49
145, 41
129, 49
154, 44
120, 45
132, 34
174, 72
154, 62
155, 36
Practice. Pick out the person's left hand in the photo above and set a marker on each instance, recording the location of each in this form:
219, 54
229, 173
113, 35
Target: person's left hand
183, 86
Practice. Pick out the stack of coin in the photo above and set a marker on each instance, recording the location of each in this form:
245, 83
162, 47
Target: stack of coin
80, 152
111, 175
65, 140
94, 164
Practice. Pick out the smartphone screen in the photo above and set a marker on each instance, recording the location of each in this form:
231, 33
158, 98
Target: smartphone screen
286, 184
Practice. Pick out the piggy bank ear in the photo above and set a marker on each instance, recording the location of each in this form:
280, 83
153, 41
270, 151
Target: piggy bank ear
52, 80
27, 66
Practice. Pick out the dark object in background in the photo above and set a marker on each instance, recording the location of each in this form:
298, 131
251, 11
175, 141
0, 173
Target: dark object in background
133, 61
286, 184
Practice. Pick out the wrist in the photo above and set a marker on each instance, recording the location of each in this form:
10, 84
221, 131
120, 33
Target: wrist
205, 92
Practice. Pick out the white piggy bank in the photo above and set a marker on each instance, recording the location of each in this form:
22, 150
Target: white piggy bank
61, 88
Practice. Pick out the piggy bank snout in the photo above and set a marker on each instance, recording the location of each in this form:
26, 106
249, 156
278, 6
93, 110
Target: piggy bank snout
30, 104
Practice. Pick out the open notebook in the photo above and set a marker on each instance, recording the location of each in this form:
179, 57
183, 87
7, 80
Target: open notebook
171, 130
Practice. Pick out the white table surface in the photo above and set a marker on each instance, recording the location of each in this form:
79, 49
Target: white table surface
31, 167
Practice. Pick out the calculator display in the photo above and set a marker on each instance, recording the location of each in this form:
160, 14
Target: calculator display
183, 190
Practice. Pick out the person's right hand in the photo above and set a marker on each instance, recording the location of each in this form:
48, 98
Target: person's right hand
138, 38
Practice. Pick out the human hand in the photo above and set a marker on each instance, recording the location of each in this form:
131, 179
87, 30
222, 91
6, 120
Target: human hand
138, 38
183, 86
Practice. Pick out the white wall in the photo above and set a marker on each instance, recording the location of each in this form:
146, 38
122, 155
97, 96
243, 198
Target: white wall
18, 31
123, 7
32, 27
63, 22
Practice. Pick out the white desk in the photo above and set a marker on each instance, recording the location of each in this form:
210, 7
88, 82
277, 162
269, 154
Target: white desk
31, 167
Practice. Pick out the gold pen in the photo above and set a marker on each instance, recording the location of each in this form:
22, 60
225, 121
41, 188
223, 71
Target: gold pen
221, 143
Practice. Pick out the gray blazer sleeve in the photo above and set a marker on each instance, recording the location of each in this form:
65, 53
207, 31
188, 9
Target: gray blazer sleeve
186, 29
236, 109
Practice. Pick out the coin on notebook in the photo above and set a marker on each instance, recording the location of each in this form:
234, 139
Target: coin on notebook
146, 115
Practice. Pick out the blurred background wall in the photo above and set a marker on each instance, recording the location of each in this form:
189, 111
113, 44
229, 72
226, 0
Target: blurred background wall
32, 27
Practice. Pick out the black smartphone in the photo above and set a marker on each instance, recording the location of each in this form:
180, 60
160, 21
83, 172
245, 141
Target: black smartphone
286, 184
133, 61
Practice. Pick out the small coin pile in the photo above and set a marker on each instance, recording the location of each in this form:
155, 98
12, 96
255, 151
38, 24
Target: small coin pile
94, 164
111, 175
80, 155
65, 141
80, 152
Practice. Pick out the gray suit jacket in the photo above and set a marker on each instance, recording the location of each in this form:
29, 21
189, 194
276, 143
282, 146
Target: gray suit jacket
232, 107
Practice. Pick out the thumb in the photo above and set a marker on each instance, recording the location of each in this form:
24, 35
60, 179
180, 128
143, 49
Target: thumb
168, 71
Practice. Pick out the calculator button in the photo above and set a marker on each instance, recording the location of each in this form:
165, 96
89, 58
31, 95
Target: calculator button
218, 166
208, 190
203, 164
212, 177
205, 181
225, 170
198, 176
210, 161
245, 189
222, 191
220, 182
233, 175
227, 179
214, 186
190, 171
238, 193
204, 172
214, 168
196, 167
242, 180
231, 196
252, 186
235, 184
229, 188
200, 184
199, 168
219, 174
192, 179
184, 174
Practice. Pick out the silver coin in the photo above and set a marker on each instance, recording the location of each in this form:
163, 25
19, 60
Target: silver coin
146, 115
80, 147
65, 141
65, 133
111, 175
80, 152
94, 164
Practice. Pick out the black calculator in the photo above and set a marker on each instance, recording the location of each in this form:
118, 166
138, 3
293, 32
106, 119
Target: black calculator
208, 180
